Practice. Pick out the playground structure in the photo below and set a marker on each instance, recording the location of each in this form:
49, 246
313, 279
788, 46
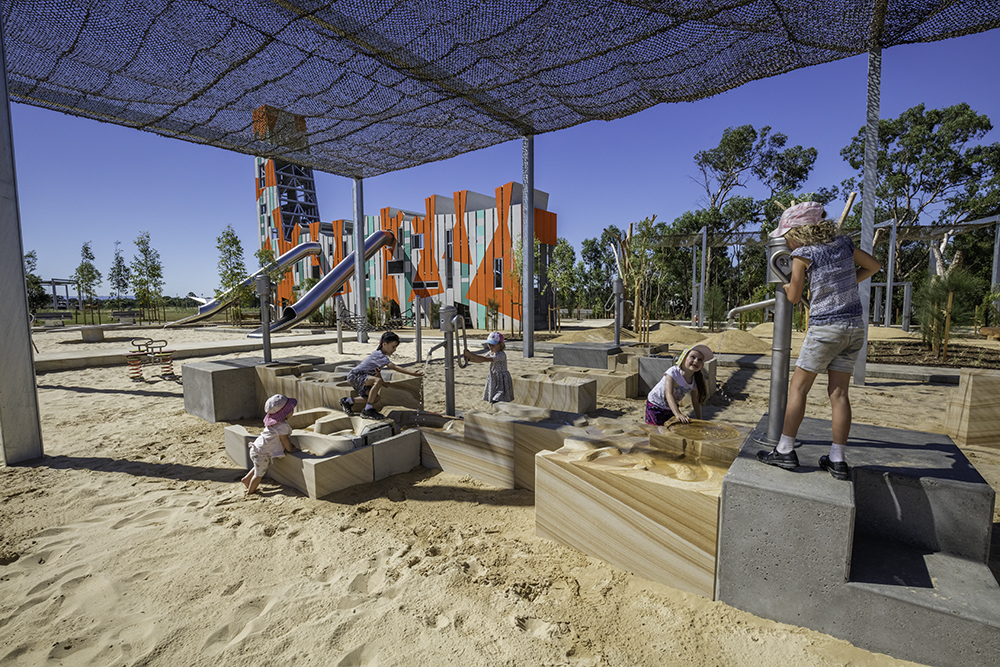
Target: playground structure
149, 352
216, 305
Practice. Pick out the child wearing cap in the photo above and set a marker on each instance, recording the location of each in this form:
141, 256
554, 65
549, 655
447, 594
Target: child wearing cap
366, 377
836, 328
273, 441
684, 376
499, 386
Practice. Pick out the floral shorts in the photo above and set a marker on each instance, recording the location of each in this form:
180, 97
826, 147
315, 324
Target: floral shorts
657, 415
261, 462
833, 347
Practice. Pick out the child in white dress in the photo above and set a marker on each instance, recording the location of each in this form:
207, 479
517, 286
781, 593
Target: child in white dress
499, 385
273, 442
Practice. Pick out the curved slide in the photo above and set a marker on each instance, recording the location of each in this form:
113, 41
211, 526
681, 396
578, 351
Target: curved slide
326, 287
215, 305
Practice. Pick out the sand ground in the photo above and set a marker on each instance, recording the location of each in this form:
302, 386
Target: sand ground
131, 543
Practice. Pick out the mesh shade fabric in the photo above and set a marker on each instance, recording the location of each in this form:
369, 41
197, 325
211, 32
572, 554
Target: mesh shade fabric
364, 88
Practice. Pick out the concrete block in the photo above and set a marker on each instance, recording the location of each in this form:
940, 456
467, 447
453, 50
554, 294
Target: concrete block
93, 334
587, 355
653, 517
318, 476
567, 394
619, 384
973, 416
627, 360
530, 438
225, 390
397, 454
651, 369
892, 561
237, 443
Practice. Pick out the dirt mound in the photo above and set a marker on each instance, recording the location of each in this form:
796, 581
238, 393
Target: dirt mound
735, 341
671, 333
605, 334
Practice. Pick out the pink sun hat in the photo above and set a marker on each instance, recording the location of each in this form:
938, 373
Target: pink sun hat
800, 215
278, 409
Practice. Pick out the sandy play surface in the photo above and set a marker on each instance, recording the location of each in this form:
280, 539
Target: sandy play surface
131, 543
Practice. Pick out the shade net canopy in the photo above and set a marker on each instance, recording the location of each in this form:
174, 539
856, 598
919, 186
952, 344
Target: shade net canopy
364, 88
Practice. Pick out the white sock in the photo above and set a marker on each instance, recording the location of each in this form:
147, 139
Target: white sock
368, 406
837, 452
786, 444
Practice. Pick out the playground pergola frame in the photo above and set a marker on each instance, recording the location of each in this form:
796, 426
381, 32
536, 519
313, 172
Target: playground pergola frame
359, 89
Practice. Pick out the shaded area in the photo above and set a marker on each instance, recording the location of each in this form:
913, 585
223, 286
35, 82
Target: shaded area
361, 89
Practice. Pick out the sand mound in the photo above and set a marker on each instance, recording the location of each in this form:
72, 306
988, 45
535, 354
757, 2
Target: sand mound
604, 334
735, 341
671, 333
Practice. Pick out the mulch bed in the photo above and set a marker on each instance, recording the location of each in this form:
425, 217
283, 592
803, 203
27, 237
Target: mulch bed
960, 354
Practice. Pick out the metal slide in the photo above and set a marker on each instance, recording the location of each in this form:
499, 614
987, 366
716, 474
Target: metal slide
327, 287
215, 305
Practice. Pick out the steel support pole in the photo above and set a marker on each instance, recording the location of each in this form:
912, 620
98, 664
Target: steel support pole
995, 280
528, 244
869, 198
20, 425
781, 347
360, 284
263, 283
694, 286
890, 273
446, 314
907, 305
416, 326
339, 307
704, 277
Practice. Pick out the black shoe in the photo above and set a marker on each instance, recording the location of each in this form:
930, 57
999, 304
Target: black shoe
789, 461
839, 469
372, 414
348, 406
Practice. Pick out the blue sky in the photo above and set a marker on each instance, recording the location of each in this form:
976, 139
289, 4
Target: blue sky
80, 180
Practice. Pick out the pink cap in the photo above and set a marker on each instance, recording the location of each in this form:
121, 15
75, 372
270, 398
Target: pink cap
806, 213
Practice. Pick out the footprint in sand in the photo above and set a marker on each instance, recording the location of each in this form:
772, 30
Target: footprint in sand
235, 628
142, 519
362, 656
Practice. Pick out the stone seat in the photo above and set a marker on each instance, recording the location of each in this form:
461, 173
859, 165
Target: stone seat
894, 561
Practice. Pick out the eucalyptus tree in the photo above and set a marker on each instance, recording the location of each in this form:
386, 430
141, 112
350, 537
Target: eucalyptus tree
37, 298
147, 273
86, 276
232, 271
119, 277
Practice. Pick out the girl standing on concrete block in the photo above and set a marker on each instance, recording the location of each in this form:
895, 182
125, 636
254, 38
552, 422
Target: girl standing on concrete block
684, 376
499, 385
836, 327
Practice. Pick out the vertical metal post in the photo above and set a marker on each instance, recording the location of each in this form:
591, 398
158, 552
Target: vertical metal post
416, 325
877, 304
339, 307
704, 276
448, 328
907, 305
360, 284
694, 286
781, 347
869, 200
20, 425
528, 244
619, 291
995, 280
263, 282
890, 274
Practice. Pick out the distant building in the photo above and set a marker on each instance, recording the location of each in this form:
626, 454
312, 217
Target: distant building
458, 251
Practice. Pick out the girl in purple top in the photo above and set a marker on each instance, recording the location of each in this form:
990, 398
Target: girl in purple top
836, 328
366, 377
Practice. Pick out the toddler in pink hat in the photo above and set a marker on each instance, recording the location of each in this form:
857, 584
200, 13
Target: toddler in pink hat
273, 442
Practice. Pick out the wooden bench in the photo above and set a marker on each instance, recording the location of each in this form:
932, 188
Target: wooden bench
54, 319
123, 315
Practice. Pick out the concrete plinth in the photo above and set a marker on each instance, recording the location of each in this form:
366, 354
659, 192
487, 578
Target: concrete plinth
893, 560
229, 390
651, 369
588, 355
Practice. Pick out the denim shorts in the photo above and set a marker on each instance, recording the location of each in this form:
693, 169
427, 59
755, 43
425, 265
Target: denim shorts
833, 347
